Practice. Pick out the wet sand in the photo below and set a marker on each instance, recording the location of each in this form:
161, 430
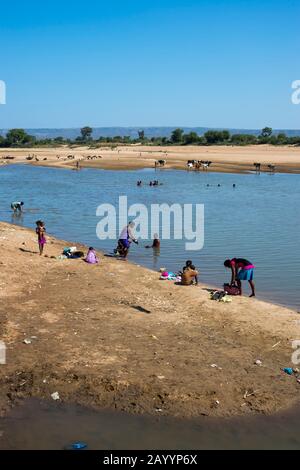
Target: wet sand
115, 336
223, 158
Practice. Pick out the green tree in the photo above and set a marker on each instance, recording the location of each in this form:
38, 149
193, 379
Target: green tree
243, 139
225, 135
141, 135
58, 140
176, 136
191, 138
216, 137
266, 132
18, 137
86, 133
295, 140
282, 138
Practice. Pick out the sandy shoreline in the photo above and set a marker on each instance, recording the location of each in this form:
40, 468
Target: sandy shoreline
224, 158
96, 344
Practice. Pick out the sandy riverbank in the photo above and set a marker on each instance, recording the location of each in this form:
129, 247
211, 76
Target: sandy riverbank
224, 158
96, 344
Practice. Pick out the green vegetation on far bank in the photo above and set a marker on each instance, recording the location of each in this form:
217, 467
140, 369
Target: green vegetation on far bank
20, 139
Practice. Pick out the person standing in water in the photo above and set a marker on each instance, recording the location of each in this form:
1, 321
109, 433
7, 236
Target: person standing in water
155, 243
125, 240
17, 206
40, 231
241, 270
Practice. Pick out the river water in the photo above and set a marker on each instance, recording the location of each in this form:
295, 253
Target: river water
258, 219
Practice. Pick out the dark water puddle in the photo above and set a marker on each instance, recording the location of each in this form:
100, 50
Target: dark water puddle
44, 425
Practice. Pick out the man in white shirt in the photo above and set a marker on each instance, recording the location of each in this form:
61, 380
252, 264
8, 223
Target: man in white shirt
126, 237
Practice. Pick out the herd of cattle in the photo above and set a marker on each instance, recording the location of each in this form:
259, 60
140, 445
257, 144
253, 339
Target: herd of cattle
195, 164
205, 164
84, 157
199, 164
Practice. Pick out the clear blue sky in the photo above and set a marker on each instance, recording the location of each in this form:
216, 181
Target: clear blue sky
209, 63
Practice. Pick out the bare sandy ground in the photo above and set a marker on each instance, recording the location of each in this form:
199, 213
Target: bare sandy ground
224, 158
114, 335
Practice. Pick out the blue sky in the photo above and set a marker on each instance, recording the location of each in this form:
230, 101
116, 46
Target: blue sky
150, 63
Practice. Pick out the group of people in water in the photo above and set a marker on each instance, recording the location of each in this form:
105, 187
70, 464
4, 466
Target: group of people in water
241, 268
151, 183
127, 237
157, 183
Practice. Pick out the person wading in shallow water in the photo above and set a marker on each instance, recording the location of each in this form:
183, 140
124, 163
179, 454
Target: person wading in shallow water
17, 206
125, 240
155, 243
241, 270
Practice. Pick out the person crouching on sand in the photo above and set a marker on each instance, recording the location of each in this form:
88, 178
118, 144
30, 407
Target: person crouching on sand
189, 274
40, 231
241, 270
91, 256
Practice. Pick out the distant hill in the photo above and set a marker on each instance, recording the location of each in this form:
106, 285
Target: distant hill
133, 131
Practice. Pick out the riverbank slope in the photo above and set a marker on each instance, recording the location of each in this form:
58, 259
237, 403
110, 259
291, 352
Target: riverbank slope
115, 336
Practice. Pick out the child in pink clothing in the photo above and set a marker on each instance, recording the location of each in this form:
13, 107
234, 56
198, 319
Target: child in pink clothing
91, 256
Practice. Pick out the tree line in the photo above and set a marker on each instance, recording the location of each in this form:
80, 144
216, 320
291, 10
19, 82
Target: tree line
20, 138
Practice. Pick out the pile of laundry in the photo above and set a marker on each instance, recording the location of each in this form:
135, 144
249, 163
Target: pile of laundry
71, 252
220, 296
169, 276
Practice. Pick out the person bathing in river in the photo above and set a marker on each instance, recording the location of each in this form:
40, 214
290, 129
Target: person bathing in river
17, 206
125, 240
40, 231
155, 243
241, 270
